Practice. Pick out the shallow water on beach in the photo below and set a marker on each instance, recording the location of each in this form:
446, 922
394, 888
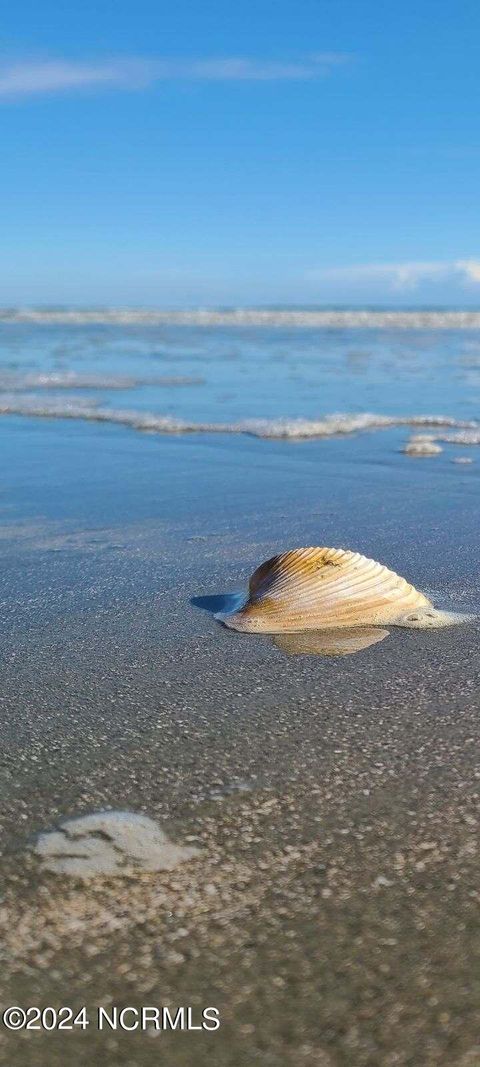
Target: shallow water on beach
354, 490
223, 375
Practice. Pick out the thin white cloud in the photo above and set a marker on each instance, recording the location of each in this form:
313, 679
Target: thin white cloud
49, 76
35, 77
403, 276
237, 69
470, 268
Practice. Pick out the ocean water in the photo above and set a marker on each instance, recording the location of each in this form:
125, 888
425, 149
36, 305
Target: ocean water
311, 425
274, 380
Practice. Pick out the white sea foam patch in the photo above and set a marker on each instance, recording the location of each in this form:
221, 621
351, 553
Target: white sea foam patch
70, 380
461, 437
290, 429
109, 843
418, 320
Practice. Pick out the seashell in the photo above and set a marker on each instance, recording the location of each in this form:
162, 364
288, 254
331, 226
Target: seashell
330, 642
325, 588
422, 445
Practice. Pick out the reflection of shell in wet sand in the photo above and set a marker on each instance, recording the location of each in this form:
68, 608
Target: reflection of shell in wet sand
324, 588
330, 642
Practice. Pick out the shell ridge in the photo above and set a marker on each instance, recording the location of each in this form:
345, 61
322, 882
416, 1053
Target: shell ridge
359, 575
331, 588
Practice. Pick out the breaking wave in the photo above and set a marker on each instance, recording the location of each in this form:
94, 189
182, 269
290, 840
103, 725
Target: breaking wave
331, 319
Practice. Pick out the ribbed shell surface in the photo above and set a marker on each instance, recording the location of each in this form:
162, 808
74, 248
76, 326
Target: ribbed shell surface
317, 588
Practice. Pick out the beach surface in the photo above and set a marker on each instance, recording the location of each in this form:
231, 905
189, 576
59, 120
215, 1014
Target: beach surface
330, 912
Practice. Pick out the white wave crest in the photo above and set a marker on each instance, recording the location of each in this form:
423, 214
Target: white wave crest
328, 319
290, 429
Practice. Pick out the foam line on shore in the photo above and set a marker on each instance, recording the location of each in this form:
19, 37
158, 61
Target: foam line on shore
328, 319
290, 429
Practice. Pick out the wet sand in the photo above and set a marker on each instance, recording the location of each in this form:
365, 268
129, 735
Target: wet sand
332, 912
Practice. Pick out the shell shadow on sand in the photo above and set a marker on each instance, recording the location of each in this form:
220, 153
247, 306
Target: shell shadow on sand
218, 603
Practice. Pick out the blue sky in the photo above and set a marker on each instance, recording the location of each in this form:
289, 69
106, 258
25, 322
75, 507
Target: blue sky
322, 151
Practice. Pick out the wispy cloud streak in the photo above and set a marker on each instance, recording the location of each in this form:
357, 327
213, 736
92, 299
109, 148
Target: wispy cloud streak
56, 75
36, 77
398, 276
